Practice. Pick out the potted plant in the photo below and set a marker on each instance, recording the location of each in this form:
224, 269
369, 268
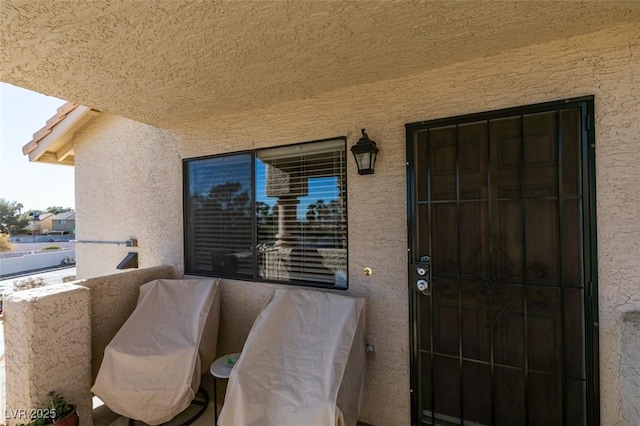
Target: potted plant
57, 413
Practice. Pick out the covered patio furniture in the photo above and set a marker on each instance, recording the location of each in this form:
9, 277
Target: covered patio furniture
303, 363
152, 367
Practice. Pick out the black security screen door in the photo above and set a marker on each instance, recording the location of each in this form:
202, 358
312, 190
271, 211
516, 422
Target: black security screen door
502, 233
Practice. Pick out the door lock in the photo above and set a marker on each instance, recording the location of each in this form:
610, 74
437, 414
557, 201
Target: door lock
420, 275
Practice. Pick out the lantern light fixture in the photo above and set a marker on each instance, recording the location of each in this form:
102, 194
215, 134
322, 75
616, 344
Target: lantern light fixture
365, 152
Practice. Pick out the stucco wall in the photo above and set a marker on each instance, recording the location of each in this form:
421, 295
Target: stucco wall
128, 186
46, 351
141, 193
630, 368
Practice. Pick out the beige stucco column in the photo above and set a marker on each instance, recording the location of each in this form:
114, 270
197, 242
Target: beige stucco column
47, 332
286, 183
287, 221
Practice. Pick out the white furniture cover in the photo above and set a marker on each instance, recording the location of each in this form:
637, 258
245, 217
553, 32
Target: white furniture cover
151, 369
302, 364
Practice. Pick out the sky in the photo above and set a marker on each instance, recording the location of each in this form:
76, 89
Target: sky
34, 185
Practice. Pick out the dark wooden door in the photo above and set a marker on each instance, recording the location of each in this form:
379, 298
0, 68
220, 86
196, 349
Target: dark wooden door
501, 212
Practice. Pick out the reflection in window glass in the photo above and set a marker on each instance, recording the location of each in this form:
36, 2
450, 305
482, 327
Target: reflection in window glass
293, 230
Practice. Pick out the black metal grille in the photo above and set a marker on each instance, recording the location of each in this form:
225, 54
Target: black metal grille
503, 203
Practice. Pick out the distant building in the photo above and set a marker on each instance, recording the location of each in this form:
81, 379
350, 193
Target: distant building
63, 223
40, 223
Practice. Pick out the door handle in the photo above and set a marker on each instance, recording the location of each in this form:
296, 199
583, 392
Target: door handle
423, 287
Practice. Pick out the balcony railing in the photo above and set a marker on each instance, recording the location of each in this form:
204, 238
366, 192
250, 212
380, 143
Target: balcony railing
55, 337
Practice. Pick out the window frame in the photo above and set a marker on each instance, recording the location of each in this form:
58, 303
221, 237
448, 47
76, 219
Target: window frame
254, 218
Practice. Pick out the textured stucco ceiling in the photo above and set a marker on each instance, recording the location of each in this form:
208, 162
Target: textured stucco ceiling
169, 62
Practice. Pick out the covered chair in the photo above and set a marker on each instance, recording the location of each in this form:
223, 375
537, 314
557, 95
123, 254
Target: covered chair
152, 367
302, 364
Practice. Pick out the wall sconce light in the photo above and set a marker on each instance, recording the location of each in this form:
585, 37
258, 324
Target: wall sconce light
130, 261
365, 153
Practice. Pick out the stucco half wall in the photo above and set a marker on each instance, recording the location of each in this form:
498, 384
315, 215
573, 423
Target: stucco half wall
129, 184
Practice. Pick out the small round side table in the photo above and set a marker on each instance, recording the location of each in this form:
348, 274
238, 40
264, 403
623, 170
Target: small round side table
221, 369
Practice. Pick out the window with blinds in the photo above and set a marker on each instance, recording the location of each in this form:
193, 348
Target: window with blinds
276, 214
